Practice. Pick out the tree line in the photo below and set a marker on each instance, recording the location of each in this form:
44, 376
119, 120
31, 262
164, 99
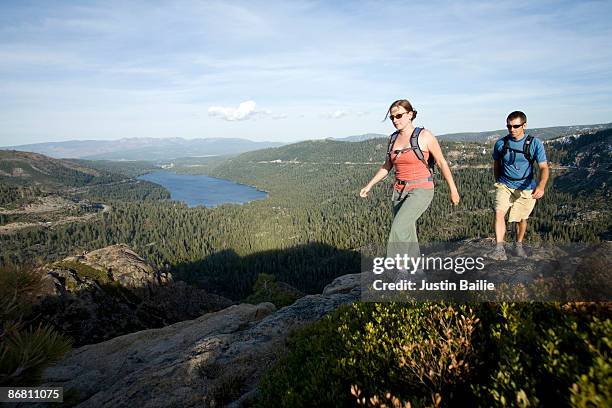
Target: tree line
308, 231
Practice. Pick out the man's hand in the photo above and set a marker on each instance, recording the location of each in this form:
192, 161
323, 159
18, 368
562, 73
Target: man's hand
538, 192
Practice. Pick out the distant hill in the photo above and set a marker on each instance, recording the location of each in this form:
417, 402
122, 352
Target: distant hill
359, 138
144, 148
27, 168
589, 158
152, 149
26, 177
542, 133
132, 168
320, 150
587, 150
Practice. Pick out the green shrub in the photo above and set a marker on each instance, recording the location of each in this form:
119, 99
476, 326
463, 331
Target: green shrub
84, 271
26, 348
311, 374
417, 352
267, 289
539, 351
413, 352
225, 389
435, 354
25, 353
594, 388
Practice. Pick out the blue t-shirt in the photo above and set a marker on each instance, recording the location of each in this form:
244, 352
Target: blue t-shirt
515, 164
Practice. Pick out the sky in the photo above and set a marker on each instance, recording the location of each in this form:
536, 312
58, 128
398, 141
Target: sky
293, 70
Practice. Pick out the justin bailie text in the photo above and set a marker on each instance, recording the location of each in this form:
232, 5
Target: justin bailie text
445, 285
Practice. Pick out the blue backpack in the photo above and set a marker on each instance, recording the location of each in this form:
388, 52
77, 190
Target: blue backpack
525, 152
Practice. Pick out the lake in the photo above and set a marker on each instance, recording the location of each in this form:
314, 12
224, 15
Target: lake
203, 190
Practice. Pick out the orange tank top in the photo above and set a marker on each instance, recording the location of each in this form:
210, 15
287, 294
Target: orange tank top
408, 167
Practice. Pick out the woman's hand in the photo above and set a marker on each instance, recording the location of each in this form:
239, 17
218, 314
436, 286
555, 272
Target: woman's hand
380, 175
454, 196
364, 191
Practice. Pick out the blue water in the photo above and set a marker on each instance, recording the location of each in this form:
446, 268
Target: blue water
208, 191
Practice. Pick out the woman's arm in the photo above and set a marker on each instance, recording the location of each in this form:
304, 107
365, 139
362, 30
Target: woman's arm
434, 149
380, 174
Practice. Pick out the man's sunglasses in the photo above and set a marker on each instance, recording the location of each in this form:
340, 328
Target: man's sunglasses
514, 126
398, 116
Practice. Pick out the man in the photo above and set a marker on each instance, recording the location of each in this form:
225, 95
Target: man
514, 158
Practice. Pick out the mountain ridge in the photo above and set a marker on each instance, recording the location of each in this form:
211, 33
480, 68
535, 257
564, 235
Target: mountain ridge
545, 133
147, 148
143, 148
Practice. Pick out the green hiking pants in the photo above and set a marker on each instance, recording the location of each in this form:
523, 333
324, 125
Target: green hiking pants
407, 208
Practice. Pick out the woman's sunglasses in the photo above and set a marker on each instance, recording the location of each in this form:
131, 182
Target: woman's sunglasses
514, 126
398, 116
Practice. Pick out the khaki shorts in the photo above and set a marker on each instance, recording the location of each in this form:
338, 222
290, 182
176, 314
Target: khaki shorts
520, 202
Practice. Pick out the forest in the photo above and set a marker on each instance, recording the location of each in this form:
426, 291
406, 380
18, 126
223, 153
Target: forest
313, 225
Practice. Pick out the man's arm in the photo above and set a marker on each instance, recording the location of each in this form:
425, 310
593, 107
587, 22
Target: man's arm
538, 192
496, 161
540, 156
496, 167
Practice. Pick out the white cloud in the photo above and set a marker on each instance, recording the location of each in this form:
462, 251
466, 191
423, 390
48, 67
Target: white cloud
244, 111
337, 114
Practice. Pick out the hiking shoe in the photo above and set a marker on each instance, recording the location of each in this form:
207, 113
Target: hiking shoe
498, 254
520, 251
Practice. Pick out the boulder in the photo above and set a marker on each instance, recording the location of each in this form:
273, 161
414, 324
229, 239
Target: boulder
112, 291
214, 360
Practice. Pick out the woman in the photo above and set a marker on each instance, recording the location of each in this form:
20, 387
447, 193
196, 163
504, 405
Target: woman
414, 188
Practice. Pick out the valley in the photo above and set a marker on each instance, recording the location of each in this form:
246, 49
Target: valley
115, 262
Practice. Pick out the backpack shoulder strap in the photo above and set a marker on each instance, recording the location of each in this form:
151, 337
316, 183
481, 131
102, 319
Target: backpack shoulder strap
527, 149
392, 138
505, 146
414, 145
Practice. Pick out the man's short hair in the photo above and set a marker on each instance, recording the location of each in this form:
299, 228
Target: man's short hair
517, 115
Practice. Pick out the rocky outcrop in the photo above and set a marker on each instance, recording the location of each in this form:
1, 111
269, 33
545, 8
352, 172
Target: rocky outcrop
219, 358
112, 291
562, 272
214, 360
123, 266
